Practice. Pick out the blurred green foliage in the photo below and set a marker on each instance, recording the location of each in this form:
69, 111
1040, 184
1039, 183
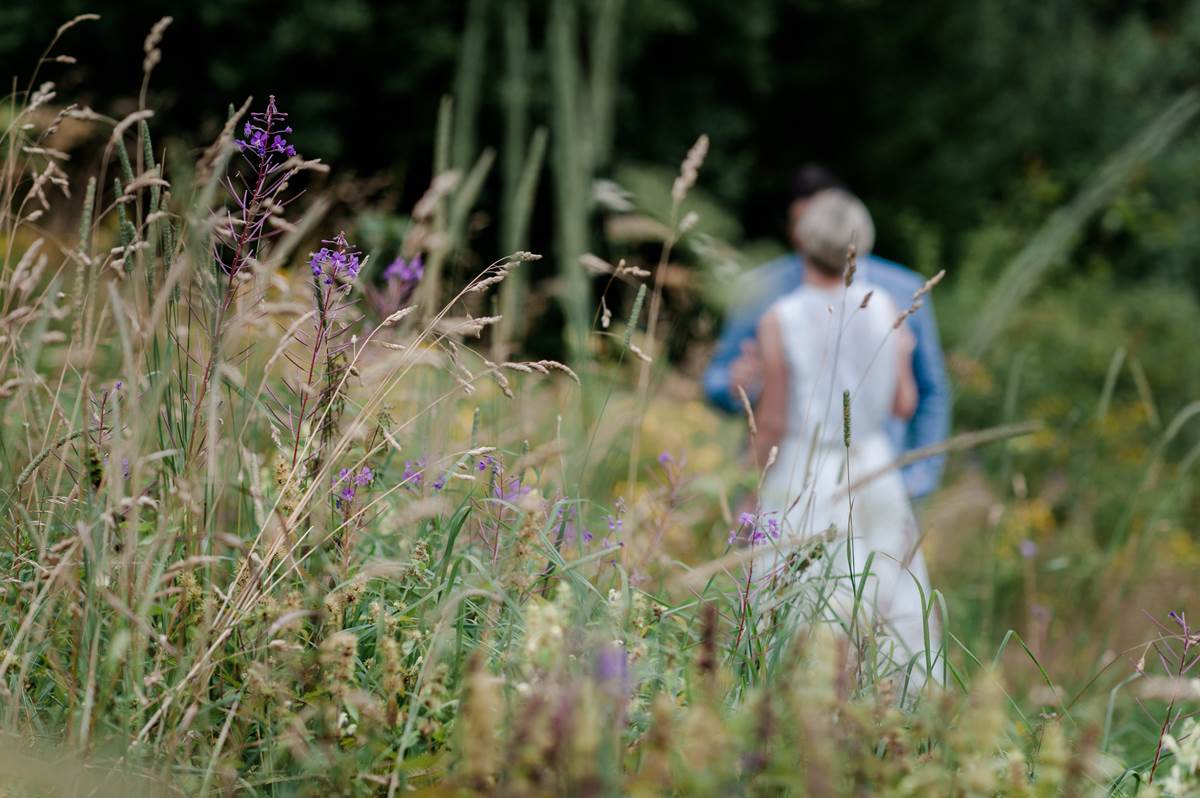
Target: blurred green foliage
942, 114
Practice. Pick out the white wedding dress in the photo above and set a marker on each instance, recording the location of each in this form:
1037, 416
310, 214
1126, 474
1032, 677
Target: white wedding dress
832, 344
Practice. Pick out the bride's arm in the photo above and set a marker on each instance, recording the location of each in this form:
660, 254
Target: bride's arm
770, 413
904, 404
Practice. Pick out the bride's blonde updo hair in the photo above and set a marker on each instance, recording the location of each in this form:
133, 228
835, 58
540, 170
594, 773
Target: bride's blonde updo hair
833, 220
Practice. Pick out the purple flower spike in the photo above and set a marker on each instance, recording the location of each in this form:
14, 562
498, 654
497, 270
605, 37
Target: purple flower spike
262, 138
260, 192
665, 458
414, 473
405, 271
364, 477
612, 669
338, 261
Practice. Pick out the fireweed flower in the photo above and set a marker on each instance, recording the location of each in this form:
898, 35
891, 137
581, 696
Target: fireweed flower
566, 519
510, 490
263, 134
612, 670
259, 193
346, 481
399, 281
364, 477
405, 271
338, 261
414, 474
615, 520
757, 529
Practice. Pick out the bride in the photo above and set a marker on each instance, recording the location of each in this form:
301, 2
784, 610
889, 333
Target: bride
836, 368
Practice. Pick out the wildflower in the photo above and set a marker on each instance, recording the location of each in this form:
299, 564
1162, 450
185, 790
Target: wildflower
758, 528
440, 482
1028, 549
612, 669
414, 473
405, 271
400, 280
348, 480
510, 490
263, 134
614, 521
338, 261
567, 517
665, 458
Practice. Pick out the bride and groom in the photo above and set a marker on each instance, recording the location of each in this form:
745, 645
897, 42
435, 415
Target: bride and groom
845, 377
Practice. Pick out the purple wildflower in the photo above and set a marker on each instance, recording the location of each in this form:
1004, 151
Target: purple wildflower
414, 473
665, 458
364, 477
440, 482
347, 493
510, 490
343, 474
758, 528
339, 261
405, 271
263, 134
1027, 548
260, 194
612, 669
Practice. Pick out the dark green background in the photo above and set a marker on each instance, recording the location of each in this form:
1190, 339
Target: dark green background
944, 115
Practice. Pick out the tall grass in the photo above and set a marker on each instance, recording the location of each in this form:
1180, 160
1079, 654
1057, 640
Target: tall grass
268, 532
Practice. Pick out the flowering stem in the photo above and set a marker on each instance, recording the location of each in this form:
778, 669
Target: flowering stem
322, 332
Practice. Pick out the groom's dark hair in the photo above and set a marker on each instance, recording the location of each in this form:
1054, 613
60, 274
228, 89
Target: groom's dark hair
812, 178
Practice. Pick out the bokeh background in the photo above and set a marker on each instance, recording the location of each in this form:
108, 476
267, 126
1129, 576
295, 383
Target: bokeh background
1044, 153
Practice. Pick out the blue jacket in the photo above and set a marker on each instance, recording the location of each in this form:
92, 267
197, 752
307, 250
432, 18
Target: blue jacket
930, 423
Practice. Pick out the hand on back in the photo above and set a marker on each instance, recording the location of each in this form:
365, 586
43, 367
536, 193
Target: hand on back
747, 370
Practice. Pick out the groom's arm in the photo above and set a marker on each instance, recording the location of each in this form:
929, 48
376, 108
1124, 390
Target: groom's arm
930, 423
718, 383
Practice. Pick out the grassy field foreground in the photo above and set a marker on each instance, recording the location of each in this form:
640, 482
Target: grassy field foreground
277, 520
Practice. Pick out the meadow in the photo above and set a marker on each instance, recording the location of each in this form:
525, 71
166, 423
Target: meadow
283, 514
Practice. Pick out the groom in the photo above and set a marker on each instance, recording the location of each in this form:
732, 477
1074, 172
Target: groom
736, 358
